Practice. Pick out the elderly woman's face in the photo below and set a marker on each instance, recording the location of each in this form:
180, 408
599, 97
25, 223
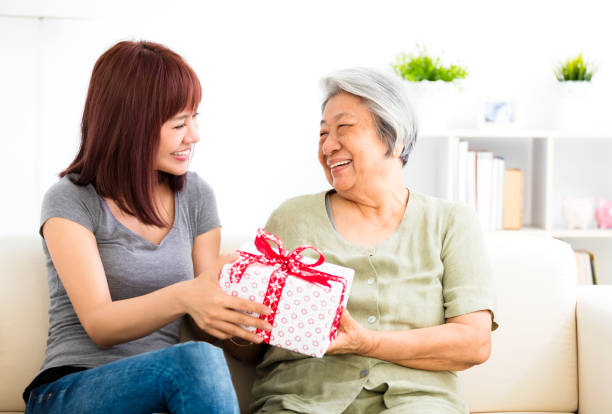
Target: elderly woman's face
350, 150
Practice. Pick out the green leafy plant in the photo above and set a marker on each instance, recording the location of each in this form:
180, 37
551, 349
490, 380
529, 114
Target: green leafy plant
575, 69
422, 66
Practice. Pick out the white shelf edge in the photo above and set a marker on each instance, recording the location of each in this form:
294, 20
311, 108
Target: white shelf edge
582, 234
560, 233
509, 133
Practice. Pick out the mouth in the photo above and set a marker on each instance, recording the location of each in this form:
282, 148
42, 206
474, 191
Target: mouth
339, 164
183, 153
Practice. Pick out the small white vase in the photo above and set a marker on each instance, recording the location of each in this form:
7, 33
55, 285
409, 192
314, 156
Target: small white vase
433, 102
575, 106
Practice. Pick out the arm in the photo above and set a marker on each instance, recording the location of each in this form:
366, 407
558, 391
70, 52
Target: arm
462, 342
75, 255
593, 319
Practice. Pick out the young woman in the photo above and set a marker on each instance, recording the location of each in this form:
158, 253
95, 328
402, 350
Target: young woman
125, 230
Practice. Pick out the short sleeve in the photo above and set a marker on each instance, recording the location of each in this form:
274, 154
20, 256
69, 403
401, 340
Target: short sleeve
73, 202
204, 204
468, 279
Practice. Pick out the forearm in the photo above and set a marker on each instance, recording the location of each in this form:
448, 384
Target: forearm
451, 346
125, 320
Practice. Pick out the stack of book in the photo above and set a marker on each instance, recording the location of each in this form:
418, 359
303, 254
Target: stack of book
495, 192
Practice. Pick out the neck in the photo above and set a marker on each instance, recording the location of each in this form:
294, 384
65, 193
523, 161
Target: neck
381, 198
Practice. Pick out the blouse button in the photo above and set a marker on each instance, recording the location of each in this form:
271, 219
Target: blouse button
371, 281
371, 319
363, 373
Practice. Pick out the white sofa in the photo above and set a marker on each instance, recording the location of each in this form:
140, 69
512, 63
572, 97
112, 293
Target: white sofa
552, 352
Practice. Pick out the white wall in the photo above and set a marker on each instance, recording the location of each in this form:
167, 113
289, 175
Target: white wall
259, 63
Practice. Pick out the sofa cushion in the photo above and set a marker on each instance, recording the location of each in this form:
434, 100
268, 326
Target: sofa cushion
24, 300
533, 363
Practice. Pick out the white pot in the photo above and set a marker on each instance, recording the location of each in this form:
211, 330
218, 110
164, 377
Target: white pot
575, 110
433, 103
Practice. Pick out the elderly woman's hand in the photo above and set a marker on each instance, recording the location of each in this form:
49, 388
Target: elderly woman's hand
352, 338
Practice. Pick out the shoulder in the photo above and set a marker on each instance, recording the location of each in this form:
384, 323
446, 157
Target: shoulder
438, 209
300, 205
196, 188
79, 203
298, 215
66, 192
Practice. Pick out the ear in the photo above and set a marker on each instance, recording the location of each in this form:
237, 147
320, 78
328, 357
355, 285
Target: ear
397, 150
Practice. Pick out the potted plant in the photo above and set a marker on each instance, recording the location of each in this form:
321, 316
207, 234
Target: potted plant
576, 109
574, 70
432, 86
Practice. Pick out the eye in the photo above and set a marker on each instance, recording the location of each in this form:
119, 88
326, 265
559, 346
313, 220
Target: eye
344, 125
179, 126
322, 133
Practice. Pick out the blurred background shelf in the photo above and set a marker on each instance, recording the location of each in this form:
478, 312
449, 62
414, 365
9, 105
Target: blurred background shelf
555, 164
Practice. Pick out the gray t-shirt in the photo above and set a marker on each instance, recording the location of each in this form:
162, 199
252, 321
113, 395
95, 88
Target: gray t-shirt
133, 266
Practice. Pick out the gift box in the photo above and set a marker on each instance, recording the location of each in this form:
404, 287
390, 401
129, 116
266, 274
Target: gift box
306, 296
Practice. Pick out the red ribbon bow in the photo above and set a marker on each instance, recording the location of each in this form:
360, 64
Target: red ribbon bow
291, 264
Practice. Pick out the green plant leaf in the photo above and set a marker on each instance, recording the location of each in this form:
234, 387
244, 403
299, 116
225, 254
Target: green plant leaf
574, 69
416, 68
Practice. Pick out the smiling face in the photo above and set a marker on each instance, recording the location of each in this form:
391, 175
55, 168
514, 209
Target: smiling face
177, 138
350, 150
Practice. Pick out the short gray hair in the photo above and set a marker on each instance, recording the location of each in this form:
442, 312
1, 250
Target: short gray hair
385, 97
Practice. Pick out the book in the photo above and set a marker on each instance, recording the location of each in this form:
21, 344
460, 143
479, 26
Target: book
585, 266
470, 175
462, 171
501, 176
497, 193
484, 187
513, 199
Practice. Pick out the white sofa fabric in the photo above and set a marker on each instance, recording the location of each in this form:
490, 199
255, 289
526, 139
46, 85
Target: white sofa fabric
552, 352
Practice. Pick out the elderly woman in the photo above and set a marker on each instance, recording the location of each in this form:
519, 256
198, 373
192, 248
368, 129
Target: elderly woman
421, 305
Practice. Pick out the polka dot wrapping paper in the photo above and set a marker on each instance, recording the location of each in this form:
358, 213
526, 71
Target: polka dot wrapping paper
306, 296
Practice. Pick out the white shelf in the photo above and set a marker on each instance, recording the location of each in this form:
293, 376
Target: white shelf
509, 133
561, 233
534, 231
555, 164
582, 234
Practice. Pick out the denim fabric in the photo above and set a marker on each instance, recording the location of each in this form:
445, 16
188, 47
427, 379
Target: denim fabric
187, 378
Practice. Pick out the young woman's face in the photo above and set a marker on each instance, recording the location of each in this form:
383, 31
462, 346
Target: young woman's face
177, 137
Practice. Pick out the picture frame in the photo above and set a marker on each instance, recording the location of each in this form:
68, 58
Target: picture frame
497, 113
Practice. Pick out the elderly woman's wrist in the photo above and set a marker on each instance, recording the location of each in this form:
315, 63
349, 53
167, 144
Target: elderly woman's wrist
368, 343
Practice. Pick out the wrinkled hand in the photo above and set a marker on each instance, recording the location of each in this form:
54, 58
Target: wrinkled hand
352, 338
218, 313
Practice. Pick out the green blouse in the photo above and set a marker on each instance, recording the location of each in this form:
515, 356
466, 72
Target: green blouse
432, 268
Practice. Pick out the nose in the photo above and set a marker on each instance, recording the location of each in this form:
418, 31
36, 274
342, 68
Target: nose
192, 135
330, 144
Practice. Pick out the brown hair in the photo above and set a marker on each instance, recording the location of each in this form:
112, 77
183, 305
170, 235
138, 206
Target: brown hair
135, 87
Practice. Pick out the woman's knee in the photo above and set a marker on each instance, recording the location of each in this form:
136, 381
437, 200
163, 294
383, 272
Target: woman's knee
198, 360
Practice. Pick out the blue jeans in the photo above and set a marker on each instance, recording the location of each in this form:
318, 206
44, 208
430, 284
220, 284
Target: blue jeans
187, 378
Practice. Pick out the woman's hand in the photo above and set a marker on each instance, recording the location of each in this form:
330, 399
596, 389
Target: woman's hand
218, 313
352, 338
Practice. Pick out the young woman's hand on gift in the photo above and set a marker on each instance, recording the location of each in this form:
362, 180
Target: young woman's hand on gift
217, 313
352, 338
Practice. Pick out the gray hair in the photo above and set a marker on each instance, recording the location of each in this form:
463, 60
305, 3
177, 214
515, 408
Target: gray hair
385, 97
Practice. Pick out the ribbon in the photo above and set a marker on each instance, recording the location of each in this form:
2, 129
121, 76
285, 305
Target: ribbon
291, 264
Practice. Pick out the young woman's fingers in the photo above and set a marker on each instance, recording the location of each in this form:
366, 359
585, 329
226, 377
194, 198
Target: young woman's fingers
246, 305
230, 330
239, 318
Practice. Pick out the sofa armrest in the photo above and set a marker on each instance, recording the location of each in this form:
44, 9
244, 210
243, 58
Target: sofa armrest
594, 322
